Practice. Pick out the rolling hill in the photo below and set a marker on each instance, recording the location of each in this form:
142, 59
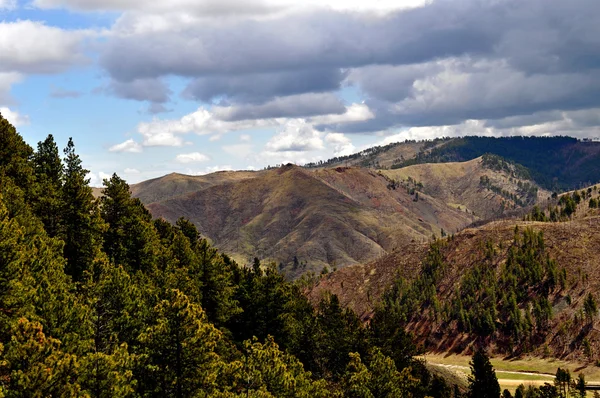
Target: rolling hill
572, 244
330, 217
306, 219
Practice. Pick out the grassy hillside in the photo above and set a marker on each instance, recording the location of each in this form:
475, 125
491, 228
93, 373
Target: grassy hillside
307, 220
474, 186
172, 185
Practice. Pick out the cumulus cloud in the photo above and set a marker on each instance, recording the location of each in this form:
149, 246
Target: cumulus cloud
7, 79
296, 136
8, 4
323, 39
14, 117
33, 47
128, 146
194, 157
341, 144
440, 63
170, 132
213, 169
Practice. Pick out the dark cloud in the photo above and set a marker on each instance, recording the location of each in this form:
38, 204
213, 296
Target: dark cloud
297, 106
156, 108
57, 92
299, 42
255, 88
152, 90
441, 64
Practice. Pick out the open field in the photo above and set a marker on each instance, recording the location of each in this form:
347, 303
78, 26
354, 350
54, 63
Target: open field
512, 372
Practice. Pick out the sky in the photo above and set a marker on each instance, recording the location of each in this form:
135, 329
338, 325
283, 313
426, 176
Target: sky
147, 88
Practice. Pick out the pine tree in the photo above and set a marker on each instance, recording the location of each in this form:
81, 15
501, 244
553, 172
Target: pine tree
590, 307
35, 366
265, 368
483, 382
82, 225
50, 175
181, 349
14, 158
580, 385
131, 239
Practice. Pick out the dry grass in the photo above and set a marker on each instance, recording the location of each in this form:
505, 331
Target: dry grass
334, 217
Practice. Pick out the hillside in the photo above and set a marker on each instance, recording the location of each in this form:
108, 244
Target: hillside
473, 185
556, 163
305, 220
330, 217
382, 157
572, 246
175, 184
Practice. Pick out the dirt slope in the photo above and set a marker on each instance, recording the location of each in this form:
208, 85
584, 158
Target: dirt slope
573, 244
335, 217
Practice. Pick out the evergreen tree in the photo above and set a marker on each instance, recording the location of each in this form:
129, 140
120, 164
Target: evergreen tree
380, 379
49, 175
14, 158
82, 225
562, 381
180, 349
590, 307
33, 365
483, 382
264, 367
580, 385
131, 239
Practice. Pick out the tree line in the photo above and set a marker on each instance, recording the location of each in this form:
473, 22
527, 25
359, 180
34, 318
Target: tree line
98, 299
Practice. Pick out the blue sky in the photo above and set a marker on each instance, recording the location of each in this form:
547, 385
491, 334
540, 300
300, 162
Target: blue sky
147, 88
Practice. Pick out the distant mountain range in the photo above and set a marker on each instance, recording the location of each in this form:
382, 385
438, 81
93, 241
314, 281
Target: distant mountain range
355, 209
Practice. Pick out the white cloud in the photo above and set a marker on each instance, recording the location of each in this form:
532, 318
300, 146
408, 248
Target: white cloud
8, 4
194, 157
354, 113
128, 146
33, 47
245, 138
273, 158
296, 136
342, 145
7, 79
169, 132
14, 117
232, 8
213, 169
131, 171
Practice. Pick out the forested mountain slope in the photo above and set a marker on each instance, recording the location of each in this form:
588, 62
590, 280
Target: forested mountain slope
525, 286
556, 163
97, 299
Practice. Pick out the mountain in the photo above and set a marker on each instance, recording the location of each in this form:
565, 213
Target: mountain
305, 219
485, 186
556, 163
554, 266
